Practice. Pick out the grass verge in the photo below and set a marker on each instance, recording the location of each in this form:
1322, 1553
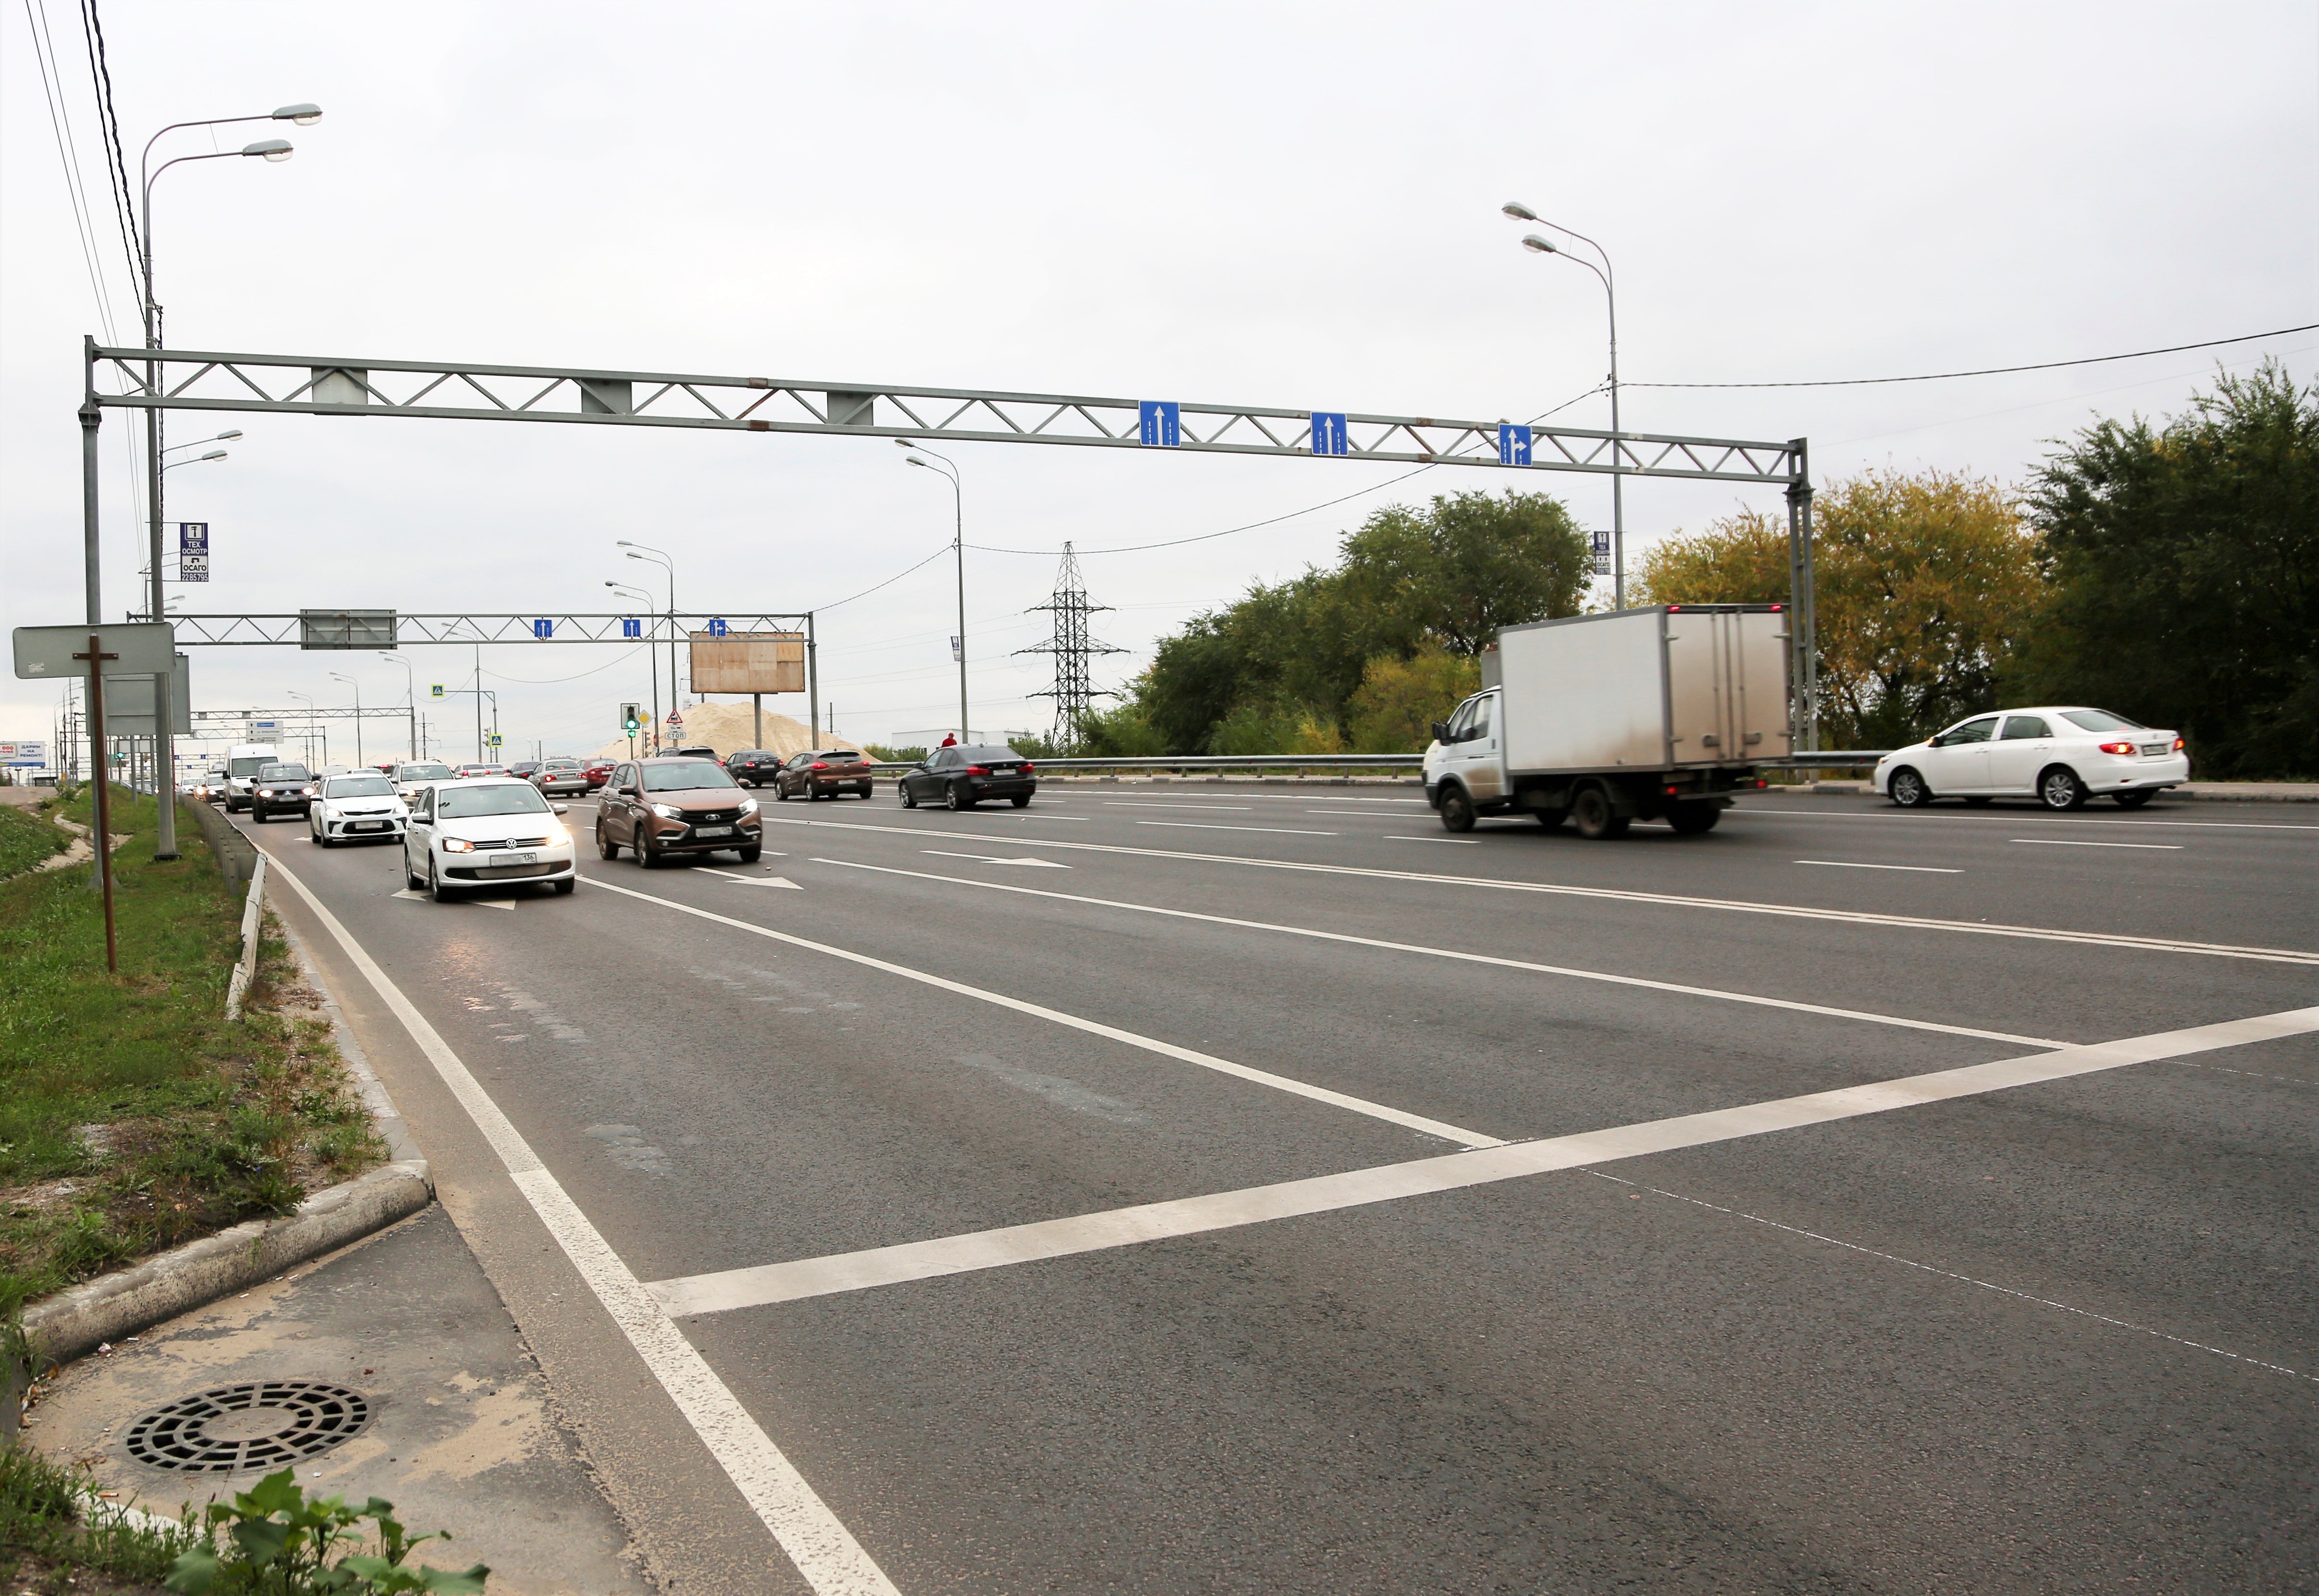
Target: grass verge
28, 836
57, 1534
132, 1117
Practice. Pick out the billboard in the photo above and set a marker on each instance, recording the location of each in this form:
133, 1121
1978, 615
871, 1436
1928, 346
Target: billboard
748, 662
24, 755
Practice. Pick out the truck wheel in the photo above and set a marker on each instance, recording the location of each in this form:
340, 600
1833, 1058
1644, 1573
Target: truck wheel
1690, 819
1456, 809
1596, 821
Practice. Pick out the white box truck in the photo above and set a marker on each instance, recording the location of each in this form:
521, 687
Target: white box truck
1657, 714
243, 761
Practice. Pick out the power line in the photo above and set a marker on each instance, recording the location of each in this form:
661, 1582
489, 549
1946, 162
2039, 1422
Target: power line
890, 581
1991, 371
44, 53
100, 72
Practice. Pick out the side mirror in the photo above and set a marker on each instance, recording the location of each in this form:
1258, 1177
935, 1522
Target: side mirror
561, 808
1440, 731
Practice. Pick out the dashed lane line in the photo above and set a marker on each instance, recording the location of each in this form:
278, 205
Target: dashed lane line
1278, 831
1263, 1077
1463, 957
2102, 939
763, 1286
824, 1551
1854, 864
2076, 842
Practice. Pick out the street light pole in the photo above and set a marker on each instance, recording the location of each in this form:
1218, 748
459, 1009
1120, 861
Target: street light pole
1543, 245
165, 831
410, 699
949, 469
661, 557
351, 682
651, 655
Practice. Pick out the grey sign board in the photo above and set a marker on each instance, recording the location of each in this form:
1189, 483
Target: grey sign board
129, 704
45, 653
346, 628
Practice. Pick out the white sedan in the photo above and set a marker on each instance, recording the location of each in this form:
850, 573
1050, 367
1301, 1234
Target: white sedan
2059, 754
482, 831
354, 809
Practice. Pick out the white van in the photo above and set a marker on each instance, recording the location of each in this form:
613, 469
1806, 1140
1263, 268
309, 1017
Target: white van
243, 761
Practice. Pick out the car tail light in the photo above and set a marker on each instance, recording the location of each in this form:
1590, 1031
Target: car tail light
1761, 782
1028, 767
2117, 748
978, 771
2177, 745
819, 765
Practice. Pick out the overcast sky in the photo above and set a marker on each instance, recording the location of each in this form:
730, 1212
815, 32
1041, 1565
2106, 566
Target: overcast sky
1274, 204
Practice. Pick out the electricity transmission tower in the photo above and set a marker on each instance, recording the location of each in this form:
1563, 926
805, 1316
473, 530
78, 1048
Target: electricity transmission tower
1074, 691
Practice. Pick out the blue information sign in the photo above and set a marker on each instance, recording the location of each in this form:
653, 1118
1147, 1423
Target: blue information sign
1329, 432
717, 626
630, 626
543, 628
192, 538
1162, 422
1513, 443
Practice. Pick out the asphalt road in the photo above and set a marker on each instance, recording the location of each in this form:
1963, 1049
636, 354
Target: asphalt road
2055, 1336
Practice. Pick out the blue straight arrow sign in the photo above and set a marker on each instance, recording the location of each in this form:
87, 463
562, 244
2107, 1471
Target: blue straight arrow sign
1329, 432
543, 628
1162, 422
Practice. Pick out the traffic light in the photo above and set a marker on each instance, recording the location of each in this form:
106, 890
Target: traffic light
631, 720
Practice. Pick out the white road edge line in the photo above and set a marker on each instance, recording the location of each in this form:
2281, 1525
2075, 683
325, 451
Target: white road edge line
767, 1283
2100, 939
1492, 959
2030, 819
2074, 843
1848, 864
816, 1541
1263, 1077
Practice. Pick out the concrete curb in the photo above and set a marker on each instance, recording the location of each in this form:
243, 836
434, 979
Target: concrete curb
78, 1321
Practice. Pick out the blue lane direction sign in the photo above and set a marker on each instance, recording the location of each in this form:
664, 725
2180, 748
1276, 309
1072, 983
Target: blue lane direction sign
543, 628
630, 626
1329, 432
192, 538
1162, 420
1513, 443
717, 626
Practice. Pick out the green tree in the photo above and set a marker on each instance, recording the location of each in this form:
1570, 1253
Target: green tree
1399, 699
1924, 583
2184, 562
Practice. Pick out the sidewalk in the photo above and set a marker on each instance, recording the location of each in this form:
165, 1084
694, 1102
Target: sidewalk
462, 1433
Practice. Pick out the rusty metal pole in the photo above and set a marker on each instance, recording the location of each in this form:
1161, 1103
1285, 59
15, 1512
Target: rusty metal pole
97, 656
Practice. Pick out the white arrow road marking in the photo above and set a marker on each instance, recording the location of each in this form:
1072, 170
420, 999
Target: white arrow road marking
1043, 864
764, 880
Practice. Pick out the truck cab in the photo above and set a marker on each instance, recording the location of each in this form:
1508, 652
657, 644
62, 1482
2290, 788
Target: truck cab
243, 761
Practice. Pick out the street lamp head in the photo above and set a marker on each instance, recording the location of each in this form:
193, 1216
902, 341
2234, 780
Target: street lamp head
916, 461
214, 455
1518, 210
1541, 246
273, 150
223, 436
304, 113
906, 443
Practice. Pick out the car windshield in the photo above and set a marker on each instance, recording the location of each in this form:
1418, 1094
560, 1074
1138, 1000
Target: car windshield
2101, 720
561, 764
686, 776
284, 773
250, 767
425, 773
470, 803
358, 787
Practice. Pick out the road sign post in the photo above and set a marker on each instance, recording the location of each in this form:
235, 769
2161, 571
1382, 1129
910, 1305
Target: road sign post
95, 656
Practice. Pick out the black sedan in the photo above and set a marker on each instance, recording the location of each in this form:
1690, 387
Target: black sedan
753, 767
960, 778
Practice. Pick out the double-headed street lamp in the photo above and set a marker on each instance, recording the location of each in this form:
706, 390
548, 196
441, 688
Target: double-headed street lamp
351, 682
410, 698
949, 469
305, 115
1540, 245
313, 722
661, 558
651, 655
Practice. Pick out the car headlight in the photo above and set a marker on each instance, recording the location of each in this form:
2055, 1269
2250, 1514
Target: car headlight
558, 833
667, 812
457, 845
748, 805
307, 790
265, 792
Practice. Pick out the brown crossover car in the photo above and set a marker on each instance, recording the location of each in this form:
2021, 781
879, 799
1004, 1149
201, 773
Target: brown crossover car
662, 806
823, 773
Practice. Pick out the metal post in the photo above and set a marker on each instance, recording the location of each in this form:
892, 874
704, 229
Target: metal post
479, 705
812, 683
958, 542
1618, 463
90, 418
653, 655
97, 656
1802, 616
757, 709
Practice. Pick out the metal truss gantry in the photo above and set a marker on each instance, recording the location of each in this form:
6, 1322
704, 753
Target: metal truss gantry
253, 631
482, 390
1074, 691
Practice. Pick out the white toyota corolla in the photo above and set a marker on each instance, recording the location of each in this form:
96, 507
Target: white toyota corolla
360, 807
2059, 754
485, 830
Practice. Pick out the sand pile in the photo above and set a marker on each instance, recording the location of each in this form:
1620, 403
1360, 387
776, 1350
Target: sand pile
728, 727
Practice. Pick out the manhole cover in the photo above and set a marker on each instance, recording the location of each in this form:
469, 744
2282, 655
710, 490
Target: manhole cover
261, 1425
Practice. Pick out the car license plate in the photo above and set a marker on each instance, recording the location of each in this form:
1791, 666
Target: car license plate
501, 860
712, 831
2153, 750
369, 825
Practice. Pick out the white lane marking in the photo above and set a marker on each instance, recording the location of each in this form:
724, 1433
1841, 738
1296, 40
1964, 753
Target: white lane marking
1461, 842
1263, 1077
1140, 804
1278, 831
1737, 906
1910, 1263
2075, 842
728, 1289
1491, 958
816, 1540
2028, 819
767, 880
1848, 864
1044, 864
413, 894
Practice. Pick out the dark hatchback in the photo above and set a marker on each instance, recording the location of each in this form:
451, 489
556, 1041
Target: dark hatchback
823, 773
753, 766
664, 807
962, 777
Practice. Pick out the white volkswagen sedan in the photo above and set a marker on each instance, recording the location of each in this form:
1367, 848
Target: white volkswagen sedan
359, 807
2059, 754
414, 776
482, 831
